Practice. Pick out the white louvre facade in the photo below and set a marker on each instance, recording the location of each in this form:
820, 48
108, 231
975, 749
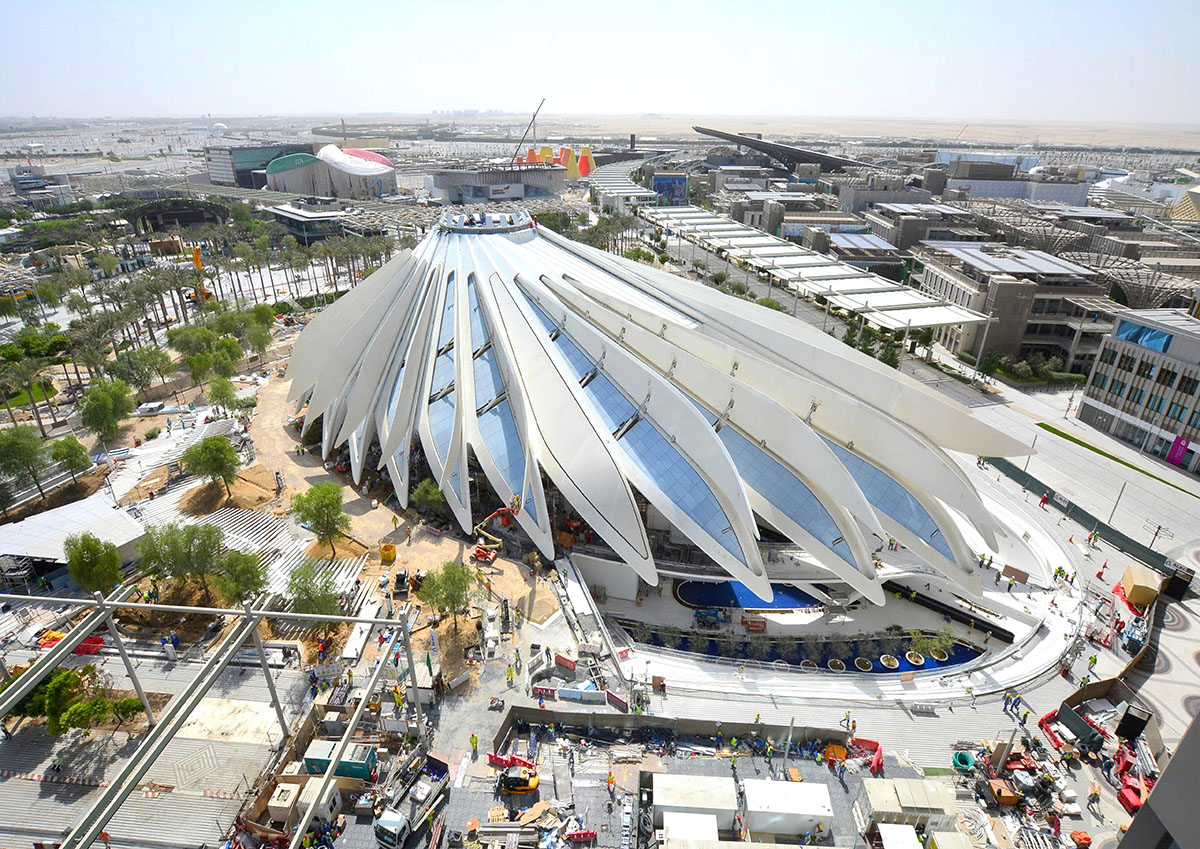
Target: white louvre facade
540, 362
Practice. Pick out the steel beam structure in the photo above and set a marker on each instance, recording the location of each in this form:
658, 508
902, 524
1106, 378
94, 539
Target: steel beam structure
344, 743
47, 663
156, 740
120, 644
266, 668
115, 604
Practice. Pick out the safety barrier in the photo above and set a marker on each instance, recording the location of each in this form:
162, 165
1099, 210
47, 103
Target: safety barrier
1072, 510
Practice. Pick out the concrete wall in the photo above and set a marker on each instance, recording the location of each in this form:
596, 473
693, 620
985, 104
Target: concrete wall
618, 580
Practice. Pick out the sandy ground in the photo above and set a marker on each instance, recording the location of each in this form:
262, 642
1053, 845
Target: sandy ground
253, 487
1049, 132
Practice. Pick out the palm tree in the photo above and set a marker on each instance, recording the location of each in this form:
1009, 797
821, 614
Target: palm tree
27, 373
8, 385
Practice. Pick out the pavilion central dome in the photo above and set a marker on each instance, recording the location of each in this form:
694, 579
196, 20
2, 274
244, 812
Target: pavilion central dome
546, 360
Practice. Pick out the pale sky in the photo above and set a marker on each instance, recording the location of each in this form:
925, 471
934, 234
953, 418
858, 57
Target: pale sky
1060, 60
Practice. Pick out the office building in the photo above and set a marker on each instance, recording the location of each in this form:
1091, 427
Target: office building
481, 184
1143, 386
1038, 302
245, 166
906, 224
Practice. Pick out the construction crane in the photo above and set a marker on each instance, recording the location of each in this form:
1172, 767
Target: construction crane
488, 544
513, 161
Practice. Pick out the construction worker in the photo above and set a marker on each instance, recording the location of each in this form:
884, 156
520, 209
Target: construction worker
474, 744
56, 764
758, 719
846, 720
853, 725
611, 781
104, 838
509, 675
1024, 717
395, 521
733, 762
349, 676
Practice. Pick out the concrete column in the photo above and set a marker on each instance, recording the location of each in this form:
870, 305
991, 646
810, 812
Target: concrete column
266, 668
129, 669
412, 671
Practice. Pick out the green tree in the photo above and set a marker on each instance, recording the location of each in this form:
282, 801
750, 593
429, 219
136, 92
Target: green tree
868, 337
191, 340
183, 552
127, 709
313, 591
29, 373
133, 368
925, 340
850, 336
427, 498
720, 277
221, 393
23, 455
93, 563
258, 338
889, 355
199, 365
105, 406
222, 366
214, 458
70, 453
229, 346
241, 576
87, 712
263, 314
449, 588
320, 508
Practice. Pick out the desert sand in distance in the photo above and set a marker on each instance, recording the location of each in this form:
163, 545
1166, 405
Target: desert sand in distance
1182, 136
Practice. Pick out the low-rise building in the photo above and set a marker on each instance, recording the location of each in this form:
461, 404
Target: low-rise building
906, 224
1037, 302
1144, 387
245, 166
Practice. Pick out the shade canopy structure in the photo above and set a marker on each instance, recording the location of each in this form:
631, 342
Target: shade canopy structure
515, 356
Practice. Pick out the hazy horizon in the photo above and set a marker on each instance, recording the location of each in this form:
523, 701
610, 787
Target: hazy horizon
934, 61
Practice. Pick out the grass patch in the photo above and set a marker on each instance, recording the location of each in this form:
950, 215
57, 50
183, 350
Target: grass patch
1112, 457
935, 771
22, 398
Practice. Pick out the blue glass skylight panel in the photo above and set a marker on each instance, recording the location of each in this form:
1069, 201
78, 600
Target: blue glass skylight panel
443, 372
447, 330
488, 383
529, 505
479, 333
888, 496
541, 315
441, 423
394, 398
774, 482
499, 431
660, 461
708, 417
614, 408
577, 360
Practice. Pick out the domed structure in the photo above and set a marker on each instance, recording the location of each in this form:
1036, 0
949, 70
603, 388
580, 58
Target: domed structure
219, 127
586, 388
358, 176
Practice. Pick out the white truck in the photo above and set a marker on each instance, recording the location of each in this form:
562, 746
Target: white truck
398, 821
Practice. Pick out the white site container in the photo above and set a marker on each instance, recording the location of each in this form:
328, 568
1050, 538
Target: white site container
695, 794
282, 803
681, 826
788, 808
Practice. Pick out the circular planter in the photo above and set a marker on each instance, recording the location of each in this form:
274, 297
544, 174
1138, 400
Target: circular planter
836, 665
939, 655
915, 658
889, 662
808, 666
862, 664
964, 762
